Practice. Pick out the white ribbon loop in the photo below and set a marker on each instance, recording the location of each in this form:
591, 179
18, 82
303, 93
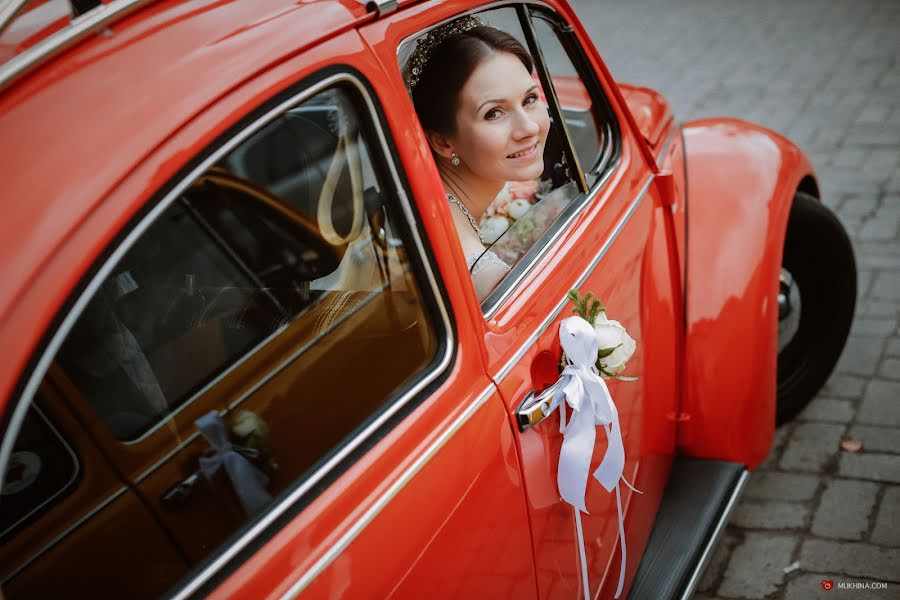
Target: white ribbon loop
584, 391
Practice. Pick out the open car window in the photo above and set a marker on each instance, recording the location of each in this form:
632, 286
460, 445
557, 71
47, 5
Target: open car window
580, 150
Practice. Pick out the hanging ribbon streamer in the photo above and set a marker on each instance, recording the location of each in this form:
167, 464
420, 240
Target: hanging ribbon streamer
248, 481
584, 391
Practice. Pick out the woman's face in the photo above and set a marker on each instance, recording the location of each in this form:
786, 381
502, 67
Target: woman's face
501, 124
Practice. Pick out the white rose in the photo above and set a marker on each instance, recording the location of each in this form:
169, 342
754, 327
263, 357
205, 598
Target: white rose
518, 208
611, 334
492, 228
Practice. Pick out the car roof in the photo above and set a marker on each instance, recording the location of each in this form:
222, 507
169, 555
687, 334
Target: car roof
76, 125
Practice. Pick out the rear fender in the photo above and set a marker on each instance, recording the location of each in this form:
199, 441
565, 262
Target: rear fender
741, 180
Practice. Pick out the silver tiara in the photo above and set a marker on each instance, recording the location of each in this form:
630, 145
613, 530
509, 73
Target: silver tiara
434, 38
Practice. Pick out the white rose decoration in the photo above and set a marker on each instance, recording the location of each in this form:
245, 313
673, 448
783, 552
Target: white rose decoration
518, 208
493, 227
611, 334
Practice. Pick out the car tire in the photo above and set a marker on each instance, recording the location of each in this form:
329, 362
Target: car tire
816, 302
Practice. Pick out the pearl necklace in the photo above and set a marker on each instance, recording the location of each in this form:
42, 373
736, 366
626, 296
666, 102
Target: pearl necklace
466, 212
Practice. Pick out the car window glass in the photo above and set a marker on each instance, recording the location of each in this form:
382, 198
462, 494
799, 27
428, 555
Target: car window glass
266, 316
588, 125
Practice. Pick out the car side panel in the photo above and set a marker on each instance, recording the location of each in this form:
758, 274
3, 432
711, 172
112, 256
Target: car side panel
741, 179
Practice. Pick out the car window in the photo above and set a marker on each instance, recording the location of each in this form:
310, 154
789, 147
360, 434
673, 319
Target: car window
588, 119
42, 468
228, 332
527, 215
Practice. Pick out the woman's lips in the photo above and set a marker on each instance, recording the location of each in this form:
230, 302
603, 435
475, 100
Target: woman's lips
526, 154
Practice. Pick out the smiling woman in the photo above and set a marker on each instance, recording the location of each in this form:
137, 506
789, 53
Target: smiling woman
486, 123
515, 134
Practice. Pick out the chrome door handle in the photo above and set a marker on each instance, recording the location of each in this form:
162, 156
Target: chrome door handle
531, 411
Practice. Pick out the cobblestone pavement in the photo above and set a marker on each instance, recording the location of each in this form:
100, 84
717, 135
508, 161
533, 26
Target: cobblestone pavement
827, 74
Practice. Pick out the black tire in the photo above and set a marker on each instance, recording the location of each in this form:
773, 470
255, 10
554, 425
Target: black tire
818, 257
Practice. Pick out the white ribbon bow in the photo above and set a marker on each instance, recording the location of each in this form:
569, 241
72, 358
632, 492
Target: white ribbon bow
586, 393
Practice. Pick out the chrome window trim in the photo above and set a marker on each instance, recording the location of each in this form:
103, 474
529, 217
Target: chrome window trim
353, 532
430, 285
508, 366
62, 489
79, 27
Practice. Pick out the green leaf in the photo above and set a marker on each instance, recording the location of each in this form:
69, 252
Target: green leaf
604, 352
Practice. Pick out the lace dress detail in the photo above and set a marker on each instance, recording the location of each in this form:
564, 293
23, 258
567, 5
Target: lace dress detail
484, 260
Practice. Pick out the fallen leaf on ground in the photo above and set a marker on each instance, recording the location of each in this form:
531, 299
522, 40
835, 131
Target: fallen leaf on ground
851, 444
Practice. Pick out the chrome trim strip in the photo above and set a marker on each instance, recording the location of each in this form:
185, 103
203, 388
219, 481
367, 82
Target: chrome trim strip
8, 12
714, 538
504, 371
71, 480
443, 355
385, 498
109, 500
665, 145
94, 19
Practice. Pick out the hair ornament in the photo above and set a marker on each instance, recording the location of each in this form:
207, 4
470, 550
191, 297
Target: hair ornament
434, 38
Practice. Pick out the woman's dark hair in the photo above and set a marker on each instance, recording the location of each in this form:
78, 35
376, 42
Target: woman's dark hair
436, 93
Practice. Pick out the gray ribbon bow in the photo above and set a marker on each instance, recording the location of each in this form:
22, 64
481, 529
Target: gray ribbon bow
248, 481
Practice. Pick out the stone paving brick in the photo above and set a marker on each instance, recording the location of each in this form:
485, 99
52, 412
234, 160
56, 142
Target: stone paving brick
881, 403
887, 285
874, 308
873, 327
718, 562
756, 566
844, 509
811, 446
770, 515
850, 558
860, 356
887, 524
880, 467
877, 439
845, 386
889, 368
893, 347
781, 486
828, 409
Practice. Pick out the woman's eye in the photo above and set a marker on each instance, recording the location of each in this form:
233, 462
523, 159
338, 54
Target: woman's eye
531, 98
492, 114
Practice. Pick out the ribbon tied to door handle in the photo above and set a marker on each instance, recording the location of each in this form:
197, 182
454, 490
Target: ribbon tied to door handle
248, 481
584, 391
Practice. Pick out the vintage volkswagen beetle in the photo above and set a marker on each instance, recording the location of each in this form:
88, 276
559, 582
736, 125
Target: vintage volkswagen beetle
242, 352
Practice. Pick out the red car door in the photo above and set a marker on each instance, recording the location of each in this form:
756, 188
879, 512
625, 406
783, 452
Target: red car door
612, 241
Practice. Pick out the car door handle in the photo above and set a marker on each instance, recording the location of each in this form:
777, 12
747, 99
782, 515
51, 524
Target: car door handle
531, 411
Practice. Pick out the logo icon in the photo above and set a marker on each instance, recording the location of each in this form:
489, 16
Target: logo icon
827, 584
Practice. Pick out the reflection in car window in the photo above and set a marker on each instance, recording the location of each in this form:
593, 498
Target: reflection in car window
269, 313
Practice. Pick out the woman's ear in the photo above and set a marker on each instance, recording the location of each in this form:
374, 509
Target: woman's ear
440, 144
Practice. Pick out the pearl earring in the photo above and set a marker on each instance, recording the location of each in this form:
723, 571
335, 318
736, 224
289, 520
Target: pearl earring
454, 160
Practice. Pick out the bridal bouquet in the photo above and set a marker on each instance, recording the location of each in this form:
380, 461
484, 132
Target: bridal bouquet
615, 345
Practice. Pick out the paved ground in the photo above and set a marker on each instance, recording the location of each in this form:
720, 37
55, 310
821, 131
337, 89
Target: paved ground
827, 74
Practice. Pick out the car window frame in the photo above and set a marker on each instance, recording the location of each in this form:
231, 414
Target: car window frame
609, 158
435, 303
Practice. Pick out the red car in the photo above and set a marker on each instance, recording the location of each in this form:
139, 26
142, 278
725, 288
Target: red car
243, 355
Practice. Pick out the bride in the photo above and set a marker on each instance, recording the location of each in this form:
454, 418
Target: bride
481, 109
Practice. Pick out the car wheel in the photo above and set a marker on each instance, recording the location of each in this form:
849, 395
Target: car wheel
816, 299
